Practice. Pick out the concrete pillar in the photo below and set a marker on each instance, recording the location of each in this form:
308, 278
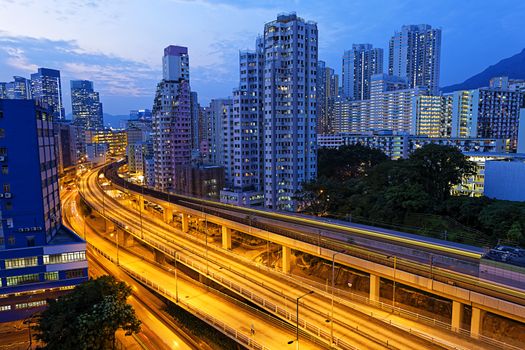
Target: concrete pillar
125, 239
287, 254
476, 322
457, 315
141, 203
226, 238
185, 223
168, 214
375, 282
159, 257
110, 226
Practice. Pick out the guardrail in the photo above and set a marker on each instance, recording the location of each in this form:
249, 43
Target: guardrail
316, 330
438, 274
223, 327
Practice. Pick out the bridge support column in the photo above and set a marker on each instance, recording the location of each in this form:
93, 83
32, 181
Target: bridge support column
476, 322
159, 257
287, 255
226, 238
185, 223
109, 225
375, 282
457, 315
141, 202
168, 214
125, 239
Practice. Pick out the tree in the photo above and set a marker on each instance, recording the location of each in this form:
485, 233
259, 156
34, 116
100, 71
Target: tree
347, 162
88, 317
438, 168
515, 233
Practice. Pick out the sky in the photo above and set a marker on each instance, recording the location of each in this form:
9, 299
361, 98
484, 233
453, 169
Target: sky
119, 44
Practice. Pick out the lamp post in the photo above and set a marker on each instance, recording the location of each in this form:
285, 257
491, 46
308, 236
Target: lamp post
393, 280
176, 279
332, 301
297, 317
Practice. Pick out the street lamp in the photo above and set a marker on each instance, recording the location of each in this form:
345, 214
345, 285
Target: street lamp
333, 290
393, 280
297, 317
176, 279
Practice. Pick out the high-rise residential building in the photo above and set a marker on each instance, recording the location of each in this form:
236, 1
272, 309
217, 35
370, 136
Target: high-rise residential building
391, 107
195, 115
216, 116
327, 91
490, 112
290, 115
39, 258
414, 54
86, 105
71, 144
359, 64
243, 131
18, 89
432, 116
172, 127
46, 89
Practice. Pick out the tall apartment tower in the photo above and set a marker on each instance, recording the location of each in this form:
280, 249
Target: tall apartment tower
216, 118
289, 110
39, 258
46, 88
327, 91
359, 64
414, 54
172, 128
243, 130
86, 105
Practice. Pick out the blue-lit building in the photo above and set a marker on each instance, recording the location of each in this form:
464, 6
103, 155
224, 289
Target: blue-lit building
86, 106
19, 88
46, 88
39, 258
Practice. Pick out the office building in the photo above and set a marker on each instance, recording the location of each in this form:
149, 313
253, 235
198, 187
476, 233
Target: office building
490, 112
327, 91
415, 54
172, 128
86, 106
116, 140
290, 115
46, 89
39, 258
359, 64
18, 89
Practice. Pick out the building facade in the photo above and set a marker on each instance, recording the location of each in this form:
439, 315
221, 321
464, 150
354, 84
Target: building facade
172, 127
415, 55
39, 258
359, 64
18, 89
491, 112
432, 116
46, 89
290, 114
327, 91
86, 106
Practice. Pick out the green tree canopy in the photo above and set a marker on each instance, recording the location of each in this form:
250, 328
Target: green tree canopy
88, 317
347, 162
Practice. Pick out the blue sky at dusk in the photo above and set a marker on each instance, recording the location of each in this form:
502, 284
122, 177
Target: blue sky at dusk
118, 44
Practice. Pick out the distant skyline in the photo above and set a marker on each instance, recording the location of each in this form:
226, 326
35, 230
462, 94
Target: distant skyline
119, 44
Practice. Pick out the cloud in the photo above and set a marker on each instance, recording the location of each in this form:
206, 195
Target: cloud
17, 59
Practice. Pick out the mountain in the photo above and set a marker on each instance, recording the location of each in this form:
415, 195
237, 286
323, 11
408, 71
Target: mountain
512, 67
